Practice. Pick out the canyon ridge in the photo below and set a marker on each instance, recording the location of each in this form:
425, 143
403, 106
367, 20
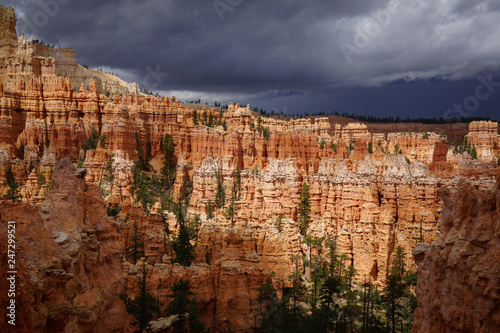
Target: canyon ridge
71, 137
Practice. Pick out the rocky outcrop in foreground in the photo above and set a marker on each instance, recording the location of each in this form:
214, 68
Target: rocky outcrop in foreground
68, 260
459, 281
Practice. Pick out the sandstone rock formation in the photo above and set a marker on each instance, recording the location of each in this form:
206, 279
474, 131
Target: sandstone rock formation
484, 135
372, 200
458, 281
68, 259
8, 34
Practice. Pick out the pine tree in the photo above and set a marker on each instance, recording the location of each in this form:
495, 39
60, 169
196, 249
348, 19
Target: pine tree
136, 247
210, 120
220, 194
47, 140
231, 210
317, 268
267, 301
266, 133
13, 193
237, 182
195, 118
204, 118
40, 180
304, 208
91, 142
370, 147
186, 189
168, 171
184, 306
396, 289
182, 242
144, 306
210, 213
141, 188
473, 153
143, 162
219, 120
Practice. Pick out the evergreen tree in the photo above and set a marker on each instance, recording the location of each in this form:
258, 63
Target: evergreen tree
270, 311
210, 120
304, 208
91, 142
40, 180
186, 189
285, 314
231, 210
237, 183
141, 155
473, 153
397, 297
195, 118
335, 307
220, 194
141, 188
144, 306
102, 140
317, 269
370, 147
47, 140
210, 213
168, 171
182, 242
13, 193
266, 133
294, 298
219, 120
136, 248
184, 306
194, 228
204, 119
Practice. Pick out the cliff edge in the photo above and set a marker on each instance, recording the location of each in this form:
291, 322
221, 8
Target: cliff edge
68, 260
458, 281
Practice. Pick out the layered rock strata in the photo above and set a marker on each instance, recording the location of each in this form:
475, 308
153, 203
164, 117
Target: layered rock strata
68, 260
458, 277
372, 190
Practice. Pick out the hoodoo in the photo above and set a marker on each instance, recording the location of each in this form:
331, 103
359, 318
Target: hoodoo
123, 201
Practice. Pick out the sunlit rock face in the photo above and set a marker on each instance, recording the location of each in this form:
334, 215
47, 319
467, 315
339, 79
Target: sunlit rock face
372, 189
458, 280
69, 260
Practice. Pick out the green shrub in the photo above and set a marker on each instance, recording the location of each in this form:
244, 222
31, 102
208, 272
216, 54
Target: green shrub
114, 211
334, 147
370, 147
40, 180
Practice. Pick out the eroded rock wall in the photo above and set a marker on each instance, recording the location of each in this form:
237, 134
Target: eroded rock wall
68, 260
458, 277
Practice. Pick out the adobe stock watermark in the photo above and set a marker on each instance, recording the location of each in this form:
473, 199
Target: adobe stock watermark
471, 103
154, 78
11, 272
223, 6
48, 9
373, 27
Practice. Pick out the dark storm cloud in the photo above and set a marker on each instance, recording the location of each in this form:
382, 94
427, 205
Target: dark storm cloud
274, 51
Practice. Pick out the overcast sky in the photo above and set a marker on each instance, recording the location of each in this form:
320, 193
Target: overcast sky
432, 58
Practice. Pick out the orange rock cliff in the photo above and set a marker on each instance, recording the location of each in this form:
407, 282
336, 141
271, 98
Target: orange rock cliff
373, 191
